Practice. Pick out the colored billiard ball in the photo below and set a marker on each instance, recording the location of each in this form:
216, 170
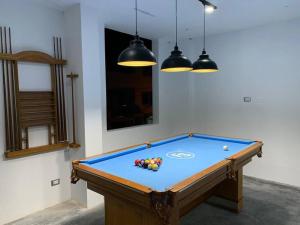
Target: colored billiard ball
150, 166
137, 162
225, 147
154, 167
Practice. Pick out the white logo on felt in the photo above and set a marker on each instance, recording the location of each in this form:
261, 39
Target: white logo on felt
180, 155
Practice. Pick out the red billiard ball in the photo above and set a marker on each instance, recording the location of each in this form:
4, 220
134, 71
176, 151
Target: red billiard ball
137, 162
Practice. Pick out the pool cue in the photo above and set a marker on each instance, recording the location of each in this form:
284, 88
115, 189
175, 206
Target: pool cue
74, 144
56, 98
63, 94
14, 105
58, 135
7, 131
60, 94
10, 122
53, 89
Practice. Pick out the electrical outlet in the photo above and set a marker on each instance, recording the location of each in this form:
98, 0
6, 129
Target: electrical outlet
55, 182
247, 99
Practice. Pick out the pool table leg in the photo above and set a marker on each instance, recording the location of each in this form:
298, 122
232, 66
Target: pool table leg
174, 217
122, 212
229, 193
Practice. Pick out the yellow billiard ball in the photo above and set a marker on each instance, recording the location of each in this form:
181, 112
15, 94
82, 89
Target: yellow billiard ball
154, 167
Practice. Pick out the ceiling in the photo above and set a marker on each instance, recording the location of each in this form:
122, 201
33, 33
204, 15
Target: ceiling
158, 19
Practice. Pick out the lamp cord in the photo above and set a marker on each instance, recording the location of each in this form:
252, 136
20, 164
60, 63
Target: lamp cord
176, 10
204, 28
136, 18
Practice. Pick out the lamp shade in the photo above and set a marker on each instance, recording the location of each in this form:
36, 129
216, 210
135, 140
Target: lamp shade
176, 62
204, 64
137, 55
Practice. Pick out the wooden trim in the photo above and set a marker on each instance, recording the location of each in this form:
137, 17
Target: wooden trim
35, 150
248, 152
32, 56
116, 179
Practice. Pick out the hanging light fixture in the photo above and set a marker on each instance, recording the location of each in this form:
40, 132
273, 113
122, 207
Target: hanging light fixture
176, 62
204, 64
136, 55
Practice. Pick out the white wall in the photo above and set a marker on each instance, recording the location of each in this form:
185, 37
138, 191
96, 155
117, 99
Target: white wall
25, 183
261, 63
72, 24
92, 34
84, 37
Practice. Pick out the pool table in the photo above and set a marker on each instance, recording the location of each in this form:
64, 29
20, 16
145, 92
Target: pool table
195, 167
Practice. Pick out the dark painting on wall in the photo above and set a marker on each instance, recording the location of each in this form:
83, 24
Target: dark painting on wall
128, 89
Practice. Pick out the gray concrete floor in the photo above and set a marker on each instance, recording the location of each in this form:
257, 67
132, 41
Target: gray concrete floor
265, 203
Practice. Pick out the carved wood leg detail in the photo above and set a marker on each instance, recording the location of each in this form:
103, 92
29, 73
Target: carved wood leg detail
164, 206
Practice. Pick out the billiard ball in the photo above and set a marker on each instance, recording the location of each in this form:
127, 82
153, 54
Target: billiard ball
225, 147
154, 167
150, 166
137, 162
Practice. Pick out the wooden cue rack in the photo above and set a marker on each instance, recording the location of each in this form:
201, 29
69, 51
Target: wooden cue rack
26, 109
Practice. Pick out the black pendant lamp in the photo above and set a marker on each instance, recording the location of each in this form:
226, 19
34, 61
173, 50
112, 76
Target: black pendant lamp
176, 62
204, 64
136, 55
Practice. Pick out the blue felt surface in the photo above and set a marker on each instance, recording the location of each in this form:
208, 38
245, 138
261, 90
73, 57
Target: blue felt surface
205, 151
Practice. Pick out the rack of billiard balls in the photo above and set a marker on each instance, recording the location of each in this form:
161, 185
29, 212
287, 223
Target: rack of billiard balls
150, 164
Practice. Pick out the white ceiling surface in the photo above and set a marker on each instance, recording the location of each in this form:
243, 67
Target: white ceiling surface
231, 15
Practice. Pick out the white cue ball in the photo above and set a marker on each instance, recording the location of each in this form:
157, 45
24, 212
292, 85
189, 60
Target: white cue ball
225, 147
